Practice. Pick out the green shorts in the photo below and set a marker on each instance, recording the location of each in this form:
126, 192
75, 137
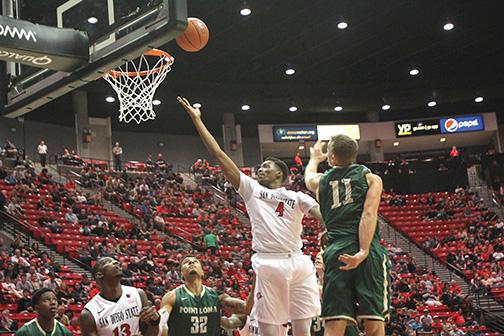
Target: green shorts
362, 293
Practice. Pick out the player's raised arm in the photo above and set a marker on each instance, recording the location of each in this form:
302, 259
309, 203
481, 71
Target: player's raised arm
167, 304
368, 222
87, 323
228, 167
312, 177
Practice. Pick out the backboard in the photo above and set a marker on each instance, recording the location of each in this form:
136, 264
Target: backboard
118, 31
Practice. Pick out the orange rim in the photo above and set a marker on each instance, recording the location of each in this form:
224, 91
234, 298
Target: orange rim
152, 52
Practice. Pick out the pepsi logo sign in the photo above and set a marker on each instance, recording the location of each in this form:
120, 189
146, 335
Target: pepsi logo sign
462, 124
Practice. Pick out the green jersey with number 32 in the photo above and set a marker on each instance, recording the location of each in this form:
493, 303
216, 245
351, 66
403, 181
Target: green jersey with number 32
342, 193
195, 315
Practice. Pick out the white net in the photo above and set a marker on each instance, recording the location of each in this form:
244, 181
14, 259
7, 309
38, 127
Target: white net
136, 83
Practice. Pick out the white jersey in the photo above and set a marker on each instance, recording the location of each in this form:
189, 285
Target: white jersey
276, 216
117, 318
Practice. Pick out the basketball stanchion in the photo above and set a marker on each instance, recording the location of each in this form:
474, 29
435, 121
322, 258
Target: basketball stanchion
136, 83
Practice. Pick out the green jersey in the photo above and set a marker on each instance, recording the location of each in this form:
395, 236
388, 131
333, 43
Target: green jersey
342, 193
195, 315
210, 240
33, 328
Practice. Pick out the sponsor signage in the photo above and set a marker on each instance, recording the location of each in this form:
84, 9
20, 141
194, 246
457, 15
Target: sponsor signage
42, 46
295, 133
462, 124
418, 127
325, 132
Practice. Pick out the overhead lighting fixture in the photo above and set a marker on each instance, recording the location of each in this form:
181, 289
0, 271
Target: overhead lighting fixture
338, 108
293, 108
92, 20
442, 140
301, 147
110, 99
431, 103
245, 11
342, 25
396, 144
196, 105
385, 107
448, 26
290, 72
245, 107
414, 72
478, 99
156, 102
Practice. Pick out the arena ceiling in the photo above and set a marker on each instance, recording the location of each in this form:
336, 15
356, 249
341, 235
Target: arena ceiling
359, 68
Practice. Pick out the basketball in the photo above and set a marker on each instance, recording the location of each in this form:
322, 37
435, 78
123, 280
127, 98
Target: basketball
195, 37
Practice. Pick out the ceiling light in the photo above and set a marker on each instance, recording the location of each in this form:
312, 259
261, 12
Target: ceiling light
92, 20
414, 72
293, 108
245, 107
396, 144
431, 103
196, 105
478, 99
156, 102
290, 72
442, 139
245, 11
338, 108
110, 99
301, 147
448, 26
342, 25
385, 107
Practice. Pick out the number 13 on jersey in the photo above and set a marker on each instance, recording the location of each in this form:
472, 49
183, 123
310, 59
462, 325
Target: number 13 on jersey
347, 197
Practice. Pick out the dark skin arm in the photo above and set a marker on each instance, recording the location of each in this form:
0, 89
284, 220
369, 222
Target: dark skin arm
87, 323
147, 315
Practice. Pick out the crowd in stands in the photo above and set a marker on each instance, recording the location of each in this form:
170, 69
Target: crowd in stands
469, 237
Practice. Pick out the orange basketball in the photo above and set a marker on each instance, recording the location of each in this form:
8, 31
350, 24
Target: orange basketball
195, 37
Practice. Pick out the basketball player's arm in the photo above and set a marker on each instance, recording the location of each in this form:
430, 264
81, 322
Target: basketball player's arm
149, 317
232, 305
367, 225
234, 322
167, 304
229, 168
249, 304
87, 323
312, 177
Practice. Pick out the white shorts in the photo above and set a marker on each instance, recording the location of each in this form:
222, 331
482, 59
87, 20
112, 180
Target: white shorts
286, 287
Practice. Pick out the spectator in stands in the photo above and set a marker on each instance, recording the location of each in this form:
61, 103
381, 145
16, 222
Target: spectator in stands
210, 242
161, 165
74, 326
6, 323
18, 259
42, 152
52, 282
3, 201
298, 162
426, 320
61, 317
10, 149
117, 152
24, 284
71, 218
35, 277
24, 304
14, 208
454, 153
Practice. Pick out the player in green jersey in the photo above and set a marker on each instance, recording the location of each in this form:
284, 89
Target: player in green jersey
194, 309
357, 278
46, 305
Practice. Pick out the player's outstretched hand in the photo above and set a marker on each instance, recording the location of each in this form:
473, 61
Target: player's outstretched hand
191, 110
352, 261
149, 314
316, 152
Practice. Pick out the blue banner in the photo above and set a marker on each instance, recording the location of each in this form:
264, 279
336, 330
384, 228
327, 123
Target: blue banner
295, 133
462, 124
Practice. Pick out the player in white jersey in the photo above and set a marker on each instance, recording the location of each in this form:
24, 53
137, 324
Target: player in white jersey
117, 310
286, 286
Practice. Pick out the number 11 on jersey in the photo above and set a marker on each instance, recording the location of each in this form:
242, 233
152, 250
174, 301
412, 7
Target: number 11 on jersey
336, 194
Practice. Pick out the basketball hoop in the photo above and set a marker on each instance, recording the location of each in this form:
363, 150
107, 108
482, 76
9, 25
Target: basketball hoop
136, 83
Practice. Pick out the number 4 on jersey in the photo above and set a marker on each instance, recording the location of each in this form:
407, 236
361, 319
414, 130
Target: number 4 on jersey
336, 194
280, 209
